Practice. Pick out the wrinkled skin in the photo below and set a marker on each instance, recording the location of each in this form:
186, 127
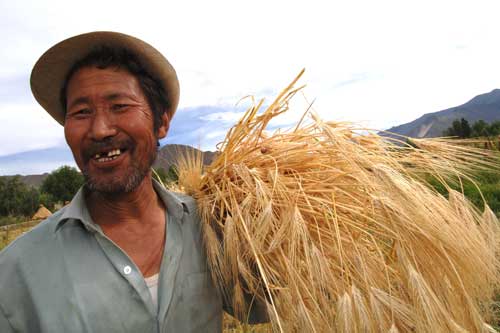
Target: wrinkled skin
107, 110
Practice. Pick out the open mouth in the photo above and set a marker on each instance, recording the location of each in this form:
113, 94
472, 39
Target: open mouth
107, 156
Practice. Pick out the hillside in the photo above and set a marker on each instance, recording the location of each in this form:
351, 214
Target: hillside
485, 107
30, 180
167, 156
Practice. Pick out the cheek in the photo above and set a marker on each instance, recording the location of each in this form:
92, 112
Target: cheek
73, 139
148, 139
140, 126
68, 136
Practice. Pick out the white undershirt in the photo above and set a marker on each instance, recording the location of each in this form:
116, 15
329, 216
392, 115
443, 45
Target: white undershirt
152, 283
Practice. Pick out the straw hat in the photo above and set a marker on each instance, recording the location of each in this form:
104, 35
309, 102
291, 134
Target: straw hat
49, 73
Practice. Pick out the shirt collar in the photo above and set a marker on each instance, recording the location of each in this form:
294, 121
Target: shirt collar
77, 208
176, 204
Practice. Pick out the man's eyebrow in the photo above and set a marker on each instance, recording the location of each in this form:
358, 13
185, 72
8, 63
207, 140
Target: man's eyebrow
86, 100
114, 96
79, 100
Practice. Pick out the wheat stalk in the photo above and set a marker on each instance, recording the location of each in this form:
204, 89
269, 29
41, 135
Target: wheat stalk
338, 231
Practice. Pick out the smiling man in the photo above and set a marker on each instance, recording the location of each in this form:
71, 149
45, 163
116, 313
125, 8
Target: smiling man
125, 255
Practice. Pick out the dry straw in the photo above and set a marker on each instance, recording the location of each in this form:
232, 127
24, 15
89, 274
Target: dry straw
338, 231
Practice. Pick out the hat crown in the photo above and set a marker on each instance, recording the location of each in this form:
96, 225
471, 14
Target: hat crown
50, 71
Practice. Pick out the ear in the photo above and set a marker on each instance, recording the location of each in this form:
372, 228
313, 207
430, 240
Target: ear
164, 126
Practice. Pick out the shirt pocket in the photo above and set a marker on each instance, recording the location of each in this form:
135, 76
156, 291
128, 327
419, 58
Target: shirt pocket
202, 303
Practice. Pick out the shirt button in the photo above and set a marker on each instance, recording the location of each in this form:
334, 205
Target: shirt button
127, 270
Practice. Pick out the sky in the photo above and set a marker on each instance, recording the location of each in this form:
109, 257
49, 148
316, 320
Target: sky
378, 63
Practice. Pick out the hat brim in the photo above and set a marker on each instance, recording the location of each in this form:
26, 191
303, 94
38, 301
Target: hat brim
50, 71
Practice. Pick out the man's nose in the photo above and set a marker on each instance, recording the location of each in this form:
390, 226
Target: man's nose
103, 126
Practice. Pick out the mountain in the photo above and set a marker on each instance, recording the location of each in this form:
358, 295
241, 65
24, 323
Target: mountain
170, 154
485, 107
30, 180
36, 161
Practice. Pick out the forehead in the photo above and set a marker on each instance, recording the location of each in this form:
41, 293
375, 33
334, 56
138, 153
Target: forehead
93, 82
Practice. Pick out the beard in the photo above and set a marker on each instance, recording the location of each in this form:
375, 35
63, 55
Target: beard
131, 179
127, 182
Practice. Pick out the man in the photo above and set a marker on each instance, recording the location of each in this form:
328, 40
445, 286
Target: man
125, 255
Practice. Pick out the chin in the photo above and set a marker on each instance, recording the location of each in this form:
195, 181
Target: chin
115, 185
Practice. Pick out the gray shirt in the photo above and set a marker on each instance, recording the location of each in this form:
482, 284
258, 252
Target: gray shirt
65, 275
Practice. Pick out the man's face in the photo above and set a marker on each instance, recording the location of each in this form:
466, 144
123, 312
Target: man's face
109, 128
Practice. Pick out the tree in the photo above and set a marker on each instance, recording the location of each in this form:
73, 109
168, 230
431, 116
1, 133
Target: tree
479, 128
62, 184
454, 130
47, 200
30, 201
16, 198
466, 130
172, 174
494, 128
167, 176
459, 128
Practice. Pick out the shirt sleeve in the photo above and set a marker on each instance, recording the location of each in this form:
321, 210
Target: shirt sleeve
4, 323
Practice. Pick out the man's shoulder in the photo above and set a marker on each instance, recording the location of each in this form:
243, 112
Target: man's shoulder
185, 199
174, 200
32, 241
190, 215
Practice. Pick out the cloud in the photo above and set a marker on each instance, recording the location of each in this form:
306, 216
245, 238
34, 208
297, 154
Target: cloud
354, 78
224, 117
380, 65
26, 127
14, 89
216, 134
36, 161
202, 126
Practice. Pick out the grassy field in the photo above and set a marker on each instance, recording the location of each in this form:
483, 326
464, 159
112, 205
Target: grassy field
10, 233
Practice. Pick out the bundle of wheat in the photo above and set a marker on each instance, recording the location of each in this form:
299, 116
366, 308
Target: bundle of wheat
338, 231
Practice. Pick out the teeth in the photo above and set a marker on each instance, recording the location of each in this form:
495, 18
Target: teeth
114, 152
105, 159
111, 155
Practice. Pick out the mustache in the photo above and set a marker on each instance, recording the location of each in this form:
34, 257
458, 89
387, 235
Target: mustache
107, 144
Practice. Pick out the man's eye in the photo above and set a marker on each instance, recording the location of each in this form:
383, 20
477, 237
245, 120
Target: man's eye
80, 112
119, 107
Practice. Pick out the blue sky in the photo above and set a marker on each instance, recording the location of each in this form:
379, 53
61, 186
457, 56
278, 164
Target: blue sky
379, 63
